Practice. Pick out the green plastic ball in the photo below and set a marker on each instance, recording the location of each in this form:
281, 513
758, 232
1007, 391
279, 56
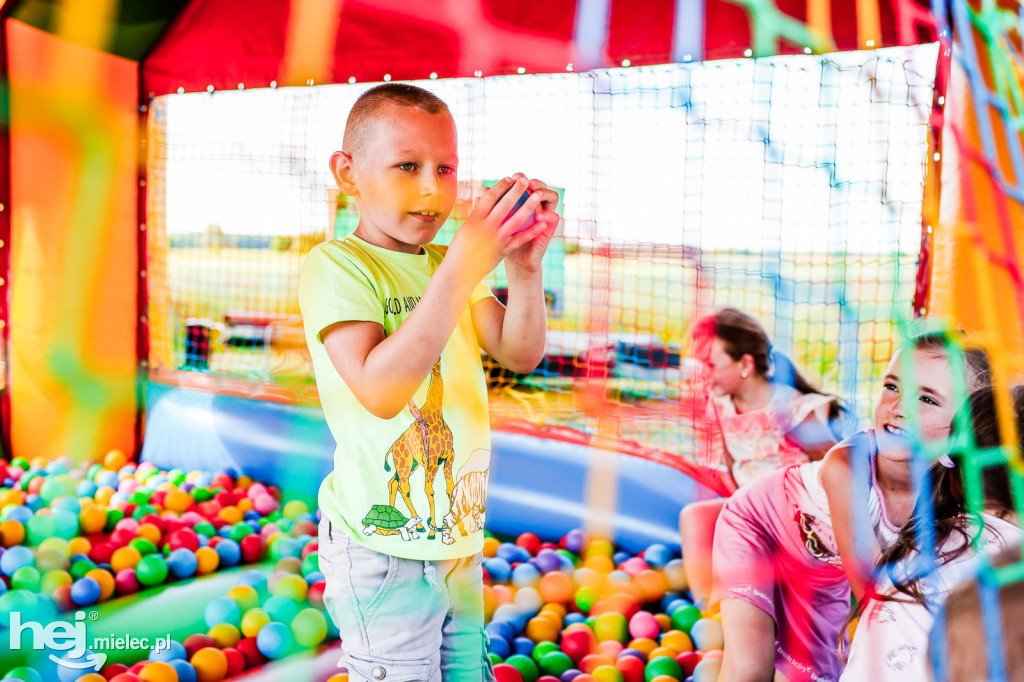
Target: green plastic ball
152, 570
684, 617
309, 627
25, 674
525, 665
81, 567
555, 663
663, 665
38, 529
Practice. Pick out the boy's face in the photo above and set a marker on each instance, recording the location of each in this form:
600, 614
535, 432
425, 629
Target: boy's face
404, 179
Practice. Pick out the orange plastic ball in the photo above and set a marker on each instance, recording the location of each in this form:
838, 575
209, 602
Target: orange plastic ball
149, 532
556, 587
157, 671
245, 504
91, 677
124, 557
644, 645
211, 664
652, 584
114, 460
79, 545
91, 520
539, 629
600, 563
177, 501
340, 677
676, 640
556, 609
230, 515
502, 595
106, 581
491, 547
103, 495
664, 621
207, 560
11, 533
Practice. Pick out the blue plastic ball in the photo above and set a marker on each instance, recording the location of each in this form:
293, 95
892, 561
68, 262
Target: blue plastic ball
274, 640
182, 563
525, 575
255, 579
229, 552
512, 553
16, 557
222, 610
498, 568
85, 591
176, 650
186, 673
523, 646
498, 646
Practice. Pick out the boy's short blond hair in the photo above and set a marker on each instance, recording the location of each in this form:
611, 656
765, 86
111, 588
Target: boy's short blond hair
371, 108
966, 642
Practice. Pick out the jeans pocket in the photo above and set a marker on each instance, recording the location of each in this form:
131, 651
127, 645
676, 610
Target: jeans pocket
387, 671
371, 576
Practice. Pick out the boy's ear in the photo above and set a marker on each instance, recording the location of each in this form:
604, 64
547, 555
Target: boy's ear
343, 171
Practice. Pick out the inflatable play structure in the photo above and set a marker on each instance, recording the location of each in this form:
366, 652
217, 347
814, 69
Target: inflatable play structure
163, 175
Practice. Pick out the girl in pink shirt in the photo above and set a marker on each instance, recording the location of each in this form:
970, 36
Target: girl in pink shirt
764, 416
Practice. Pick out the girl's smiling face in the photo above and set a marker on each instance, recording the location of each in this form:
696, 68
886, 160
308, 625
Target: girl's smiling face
927, 393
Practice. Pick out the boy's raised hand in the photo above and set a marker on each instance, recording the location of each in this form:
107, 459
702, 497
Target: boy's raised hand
527, 257
486, 237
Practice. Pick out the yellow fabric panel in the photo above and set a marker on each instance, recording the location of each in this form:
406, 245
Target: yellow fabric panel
73, 240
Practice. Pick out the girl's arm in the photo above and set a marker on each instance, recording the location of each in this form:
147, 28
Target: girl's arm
811, 432
859, 551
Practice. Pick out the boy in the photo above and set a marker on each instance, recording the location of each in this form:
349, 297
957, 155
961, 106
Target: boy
394, 325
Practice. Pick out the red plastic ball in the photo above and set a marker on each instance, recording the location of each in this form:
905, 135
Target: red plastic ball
121, 537
194, 643
137, 667
529, 541
126, 677
312, 547
236, 661
101, 552
503, 672
578, 643
253, 548
315, 595
126, 582
185, 537
113, 670
688, 660
247, 647
62, 598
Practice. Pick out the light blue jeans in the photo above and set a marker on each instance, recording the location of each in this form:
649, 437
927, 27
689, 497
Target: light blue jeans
403, 620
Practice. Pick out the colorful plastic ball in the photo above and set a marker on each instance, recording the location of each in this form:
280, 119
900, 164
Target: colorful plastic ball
309, 627
707, 634
540, 629
525, 665
294, 509
585, 598
577, 642
208, 560
152, 570
158, 671
675, 575
275, 640
253, 620
167, 654
26, 578
210, 663
708, 670
225, 635
684, 617
126, 582
85, 591
245, 596
182, 563
315, 595
281, 609
504, 672
236, 661
249, 650
528, 541
253, 548
291, 586
611, 626
14, 558
555, 663
11, 533
576, 541
25, 674
96, 677
643, 624
499, 646
229, 552
222, 610
194, 643
688, 660
677, 641
607, 673
105, 580
663, 665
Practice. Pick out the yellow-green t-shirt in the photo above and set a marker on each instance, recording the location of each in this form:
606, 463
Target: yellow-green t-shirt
377, 459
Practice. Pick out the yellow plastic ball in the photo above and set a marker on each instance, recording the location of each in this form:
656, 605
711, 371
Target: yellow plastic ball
253, 620
600, 563
607, 673
245, 596
225, 635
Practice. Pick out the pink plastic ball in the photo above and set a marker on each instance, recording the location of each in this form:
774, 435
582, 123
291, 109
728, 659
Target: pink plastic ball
634, 565
125, 582
264, 504
643, 625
